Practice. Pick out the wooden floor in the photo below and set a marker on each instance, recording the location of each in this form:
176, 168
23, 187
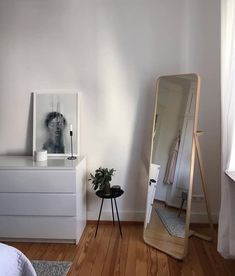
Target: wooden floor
108, 255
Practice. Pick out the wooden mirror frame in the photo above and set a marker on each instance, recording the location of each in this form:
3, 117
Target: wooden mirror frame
166, 244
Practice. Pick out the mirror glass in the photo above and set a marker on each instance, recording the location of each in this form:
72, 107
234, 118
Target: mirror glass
169, 186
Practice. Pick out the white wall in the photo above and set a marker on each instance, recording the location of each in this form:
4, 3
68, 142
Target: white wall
112, 51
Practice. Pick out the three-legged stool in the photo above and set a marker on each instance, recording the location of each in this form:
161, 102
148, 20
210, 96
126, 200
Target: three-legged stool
112, 196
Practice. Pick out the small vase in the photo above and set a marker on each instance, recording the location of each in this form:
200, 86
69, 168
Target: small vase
106, 190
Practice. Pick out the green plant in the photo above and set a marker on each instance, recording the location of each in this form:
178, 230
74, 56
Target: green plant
101, 179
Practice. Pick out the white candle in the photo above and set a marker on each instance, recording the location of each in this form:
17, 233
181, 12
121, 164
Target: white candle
71, 128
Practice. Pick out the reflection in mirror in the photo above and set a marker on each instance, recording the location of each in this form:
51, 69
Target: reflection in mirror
170, 164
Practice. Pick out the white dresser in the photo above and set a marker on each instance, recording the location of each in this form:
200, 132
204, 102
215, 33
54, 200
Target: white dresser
42, 201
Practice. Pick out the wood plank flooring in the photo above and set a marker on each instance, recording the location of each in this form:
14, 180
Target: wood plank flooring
108, 255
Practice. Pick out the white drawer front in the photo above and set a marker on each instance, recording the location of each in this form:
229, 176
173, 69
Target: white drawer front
38, 181
38, 227
37, 204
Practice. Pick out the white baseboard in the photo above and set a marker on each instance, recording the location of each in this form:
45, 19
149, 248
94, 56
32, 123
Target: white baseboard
140, 215
123, 215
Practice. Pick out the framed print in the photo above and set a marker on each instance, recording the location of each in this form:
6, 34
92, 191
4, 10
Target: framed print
55, 113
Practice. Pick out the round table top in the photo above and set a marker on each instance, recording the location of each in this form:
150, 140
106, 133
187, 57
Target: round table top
113, 193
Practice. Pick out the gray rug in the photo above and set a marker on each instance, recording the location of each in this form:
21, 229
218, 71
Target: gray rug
51, 268
175, 225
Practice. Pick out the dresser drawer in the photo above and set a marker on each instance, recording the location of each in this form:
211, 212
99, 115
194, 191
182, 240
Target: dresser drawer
37, 181
38, 227
37, 204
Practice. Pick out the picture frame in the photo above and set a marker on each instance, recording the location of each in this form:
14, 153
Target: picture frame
54, 113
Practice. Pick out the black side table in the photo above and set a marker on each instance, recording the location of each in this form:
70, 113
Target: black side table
112, 196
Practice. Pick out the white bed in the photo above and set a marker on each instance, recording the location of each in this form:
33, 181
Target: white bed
14, 263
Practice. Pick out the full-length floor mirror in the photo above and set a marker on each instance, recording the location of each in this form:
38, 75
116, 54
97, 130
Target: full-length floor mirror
171, 166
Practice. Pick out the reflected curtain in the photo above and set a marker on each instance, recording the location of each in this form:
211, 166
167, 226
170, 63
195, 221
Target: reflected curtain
226, 232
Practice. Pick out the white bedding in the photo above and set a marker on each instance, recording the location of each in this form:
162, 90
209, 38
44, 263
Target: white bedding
14, 263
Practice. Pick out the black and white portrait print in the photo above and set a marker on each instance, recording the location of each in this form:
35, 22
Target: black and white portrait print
55, 124
53, 116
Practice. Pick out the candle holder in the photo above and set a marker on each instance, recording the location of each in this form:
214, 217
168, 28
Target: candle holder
71, 137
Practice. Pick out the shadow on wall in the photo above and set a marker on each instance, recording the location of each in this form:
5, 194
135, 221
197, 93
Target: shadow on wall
138, 165
29, 135
125, 72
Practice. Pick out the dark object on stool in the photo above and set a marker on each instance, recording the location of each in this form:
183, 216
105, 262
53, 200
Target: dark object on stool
184, 196
115, 188
114, 193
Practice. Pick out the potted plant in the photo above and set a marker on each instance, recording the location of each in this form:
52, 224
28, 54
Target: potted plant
101, 180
